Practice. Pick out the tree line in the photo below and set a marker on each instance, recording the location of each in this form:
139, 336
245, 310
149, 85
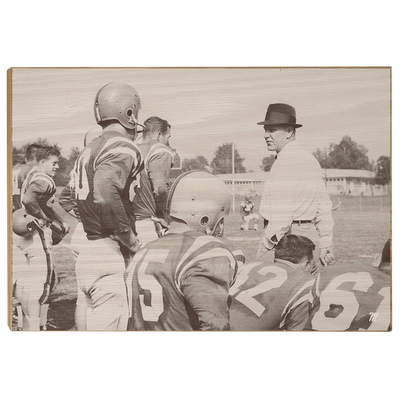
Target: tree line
345, 155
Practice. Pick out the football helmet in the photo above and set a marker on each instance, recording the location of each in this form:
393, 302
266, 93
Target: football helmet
117, 101
22, 223
201, 200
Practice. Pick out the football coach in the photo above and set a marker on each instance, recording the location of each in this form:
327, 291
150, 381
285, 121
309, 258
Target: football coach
295, 200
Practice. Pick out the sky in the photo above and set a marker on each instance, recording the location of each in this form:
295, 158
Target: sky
210, 106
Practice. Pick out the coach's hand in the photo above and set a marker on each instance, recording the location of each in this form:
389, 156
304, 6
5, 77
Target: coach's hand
326, 256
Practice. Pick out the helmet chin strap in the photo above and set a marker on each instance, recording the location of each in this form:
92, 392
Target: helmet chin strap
132, 120
142, 126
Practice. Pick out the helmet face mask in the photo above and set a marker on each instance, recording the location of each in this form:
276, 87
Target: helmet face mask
201, 200
219, 229
117, 102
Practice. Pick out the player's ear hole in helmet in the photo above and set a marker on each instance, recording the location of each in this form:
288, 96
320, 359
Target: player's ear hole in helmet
201, 200
21, 222
117, 102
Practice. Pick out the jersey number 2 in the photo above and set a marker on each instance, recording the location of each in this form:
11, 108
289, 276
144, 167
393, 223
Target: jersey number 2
246, 297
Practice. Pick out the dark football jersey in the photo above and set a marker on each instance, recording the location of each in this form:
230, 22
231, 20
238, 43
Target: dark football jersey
351, 298
19, 174
152, 187
270, 296
37, 194
101, 182
180, 282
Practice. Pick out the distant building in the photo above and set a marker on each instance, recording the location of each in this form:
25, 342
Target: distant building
347, 182
353, 182
246, 183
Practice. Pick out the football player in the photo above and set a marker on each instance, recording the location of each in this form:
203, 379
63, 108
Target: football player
180, 282
67, 198
275, 296
37, 196
21, 171
248, 214
151, 192
353, 298
102, 178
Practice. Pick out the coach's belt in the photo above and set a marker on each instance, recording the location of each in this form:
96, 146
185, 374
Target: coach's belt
302, 222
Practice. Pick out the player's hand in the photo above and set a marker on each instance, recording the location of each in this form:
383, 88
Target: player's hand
66, 228
129, 240
37, 223
326, 256
164, 224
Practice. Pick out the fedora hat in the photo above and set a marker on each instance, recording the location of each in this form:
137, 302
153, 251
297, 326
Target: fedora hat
280, 114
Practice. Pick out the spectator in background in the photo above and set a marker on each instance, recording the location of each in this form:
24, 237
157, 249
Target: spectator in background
248, 214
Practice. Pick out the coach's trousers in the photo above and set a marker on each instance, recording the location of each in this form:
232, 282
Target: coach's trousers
100, 269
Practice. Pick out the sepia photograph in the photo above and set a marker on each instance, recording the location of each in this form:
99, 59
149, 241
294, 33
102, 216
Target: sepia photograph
200, 199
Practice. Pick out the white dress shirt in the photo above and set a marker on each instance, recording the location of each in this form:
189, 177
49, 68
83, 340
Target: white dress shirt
295, 191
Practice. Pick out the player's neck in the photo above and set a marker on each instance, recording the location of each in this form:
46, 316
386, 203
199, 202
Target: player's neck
290, 264
178, 227
149, 138
116, 127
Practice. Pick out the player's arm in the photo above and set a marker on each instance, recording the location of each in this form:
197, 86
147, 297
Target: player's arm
16, 189
205, 287
159, 169
109, 182
31, 201
68, 202
298, 317
298, 309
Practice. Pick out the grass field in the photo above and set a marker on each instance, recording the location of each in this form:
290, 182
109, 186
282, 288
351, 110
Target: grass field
362, 226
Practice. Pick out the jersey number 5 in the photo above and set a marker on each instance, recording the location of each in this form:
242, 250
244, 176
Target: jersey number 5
151, 299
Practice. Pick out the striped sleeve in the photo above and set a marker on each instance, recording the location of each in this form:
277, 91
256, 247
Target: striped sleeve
155, 151
203, 278
303, 296
203, 249
38, 186
122, 152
